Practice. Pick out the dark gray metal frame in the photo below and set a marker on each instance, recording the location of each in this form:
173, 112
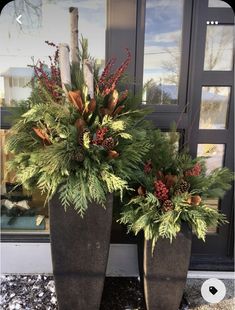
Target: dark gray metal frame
209, 254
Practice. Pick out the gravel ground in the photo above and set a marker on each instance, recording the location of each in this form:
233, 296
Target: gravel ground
38, 292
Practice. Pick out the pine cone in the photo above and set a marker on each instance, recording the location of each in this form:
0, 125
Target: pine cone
161, 191
108, 143
168, 205
79, 155
178, 192
184, 186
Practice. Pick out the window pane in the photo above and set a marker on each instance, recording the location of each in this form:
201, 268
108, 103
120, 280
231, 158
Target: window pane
162, 51
219, 48
215, 154
20, 210
218, 4
214, 107
22, 45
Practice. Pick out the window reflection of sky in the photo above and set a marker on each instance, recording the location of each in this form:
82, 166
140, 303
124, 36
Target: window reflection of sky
19, 44
163, 27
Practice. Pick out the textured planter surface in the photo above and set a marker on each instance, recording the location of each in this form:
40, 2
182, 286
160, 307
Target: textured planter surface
165, 272
80, 250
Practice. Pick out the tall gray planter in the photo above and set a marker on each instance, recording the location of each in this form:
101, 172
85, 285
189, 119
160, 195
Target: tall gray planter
80, 248
165, 271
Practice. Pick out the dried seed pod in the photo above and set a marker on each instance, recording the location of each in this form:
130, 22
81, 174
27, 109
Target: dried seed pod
189, 200
141, 190
113, 154
196, 200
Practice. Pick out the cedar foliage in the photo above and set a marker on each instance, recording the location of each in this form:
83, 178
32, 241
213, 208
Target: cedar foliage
146, 210
58, 143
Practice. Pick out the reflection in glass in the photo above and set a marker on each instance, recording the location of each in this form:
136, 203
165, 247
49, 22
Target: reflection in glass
20, 210
162, 51
214, 107
215, 154
218, 4
219, 48
23, 45
214, 204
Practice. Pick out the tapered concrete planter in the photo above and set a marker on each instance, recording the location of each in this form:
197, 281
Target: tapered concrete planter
165, 272
80, 250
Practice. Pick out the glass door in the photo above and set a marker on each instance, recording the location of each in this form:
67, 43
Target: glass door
212, 117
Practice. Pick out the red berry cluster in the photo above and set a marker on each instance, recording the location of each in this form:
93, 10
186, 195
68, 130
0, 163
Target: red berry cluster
107, 82
49, 78
148, 166
194, 172
161, 191
100, 135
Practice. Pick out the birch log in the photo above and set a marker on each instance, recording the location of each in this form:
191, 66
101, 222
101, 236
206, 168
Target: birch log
74, 35
89, 76
64, 65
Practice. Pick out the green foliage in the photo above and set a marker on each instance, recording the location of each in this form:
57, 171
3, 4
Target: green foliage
51, 152
170, 189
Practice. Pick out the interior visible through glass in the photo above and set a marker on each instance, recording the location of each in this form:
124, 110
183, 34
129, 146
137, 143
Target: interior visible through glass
162, 51
219, 48
215, 154
214, 107
22, 45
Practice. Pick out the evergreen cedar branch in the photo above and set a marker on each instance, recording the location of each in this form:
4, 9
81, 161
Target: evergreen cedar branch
174, 188
83, 147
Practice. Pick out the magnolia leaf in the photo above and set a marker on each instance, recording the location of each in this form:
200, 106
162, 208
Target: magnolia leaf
86, 140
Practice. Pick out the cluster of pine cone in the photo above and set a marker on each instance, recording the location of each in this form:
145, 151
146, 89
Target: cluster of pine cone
163, 186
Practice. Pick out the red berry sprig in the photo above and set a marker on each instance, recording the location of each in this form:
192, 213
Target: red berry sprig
161, 191
100, 135
195, 171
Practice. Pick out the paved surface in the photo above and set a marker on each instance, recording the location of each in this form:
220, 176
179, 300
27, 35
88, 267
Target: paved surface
38, 292
193, 293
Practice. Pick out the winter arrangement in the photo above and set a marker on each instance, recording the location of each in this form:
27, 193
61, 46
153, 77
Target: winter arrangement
82, 137
174, 188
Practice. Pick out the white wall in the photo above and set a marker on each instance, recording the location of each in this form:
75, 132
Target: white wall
36, 258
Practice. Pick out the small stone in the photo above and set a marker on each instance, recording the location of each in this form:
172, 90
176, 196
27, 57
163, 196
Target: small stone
41, 294
53, 300
51, 286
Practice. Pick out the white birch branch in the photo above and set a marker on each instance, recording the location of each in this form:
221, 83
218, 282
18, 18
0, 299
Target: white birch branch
64, 65
74, 35
89, 76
